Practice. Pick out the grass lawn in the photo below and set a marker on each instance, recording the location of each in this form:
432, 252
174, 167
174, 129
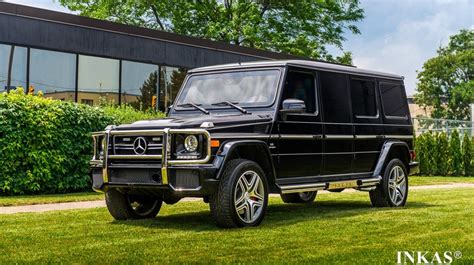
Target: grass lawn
52, 198
437, 180
337, 228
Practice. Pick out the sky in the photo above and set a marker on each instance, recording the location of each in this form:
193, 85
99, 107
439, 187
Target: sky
398, 36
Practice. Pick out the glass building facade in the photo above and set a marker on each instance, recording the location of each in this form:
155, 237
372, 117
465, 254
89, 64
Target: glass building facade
90, 79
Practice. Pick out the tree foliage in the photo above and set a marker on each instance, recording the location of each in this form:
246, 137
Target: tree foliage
467, 154
456, 154
303, 28
442, 154
446, 82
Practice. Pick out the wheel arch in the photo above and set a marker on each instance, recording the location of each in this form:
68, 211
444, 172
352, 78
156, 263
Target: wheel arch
392, 149
253, 150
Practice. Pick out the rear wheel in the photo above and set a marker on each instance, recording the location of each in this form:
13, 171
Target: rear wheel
242, 196
300, 197
393, 190
124, 206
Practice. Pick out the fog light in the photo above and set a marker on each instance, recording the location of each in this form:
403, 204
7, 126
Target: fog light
191, 143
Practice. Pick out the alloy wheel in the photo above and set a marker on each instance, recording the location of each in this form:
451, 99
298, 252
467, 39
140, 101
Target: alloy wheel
397, 185
249, 196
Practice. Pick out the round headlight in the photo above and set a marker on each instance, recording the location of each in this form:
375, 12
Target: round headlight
191, 143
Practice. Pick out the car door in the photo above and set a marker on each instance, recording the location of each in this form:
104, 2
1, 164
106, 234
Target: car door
368, 127
338, 128
300, 134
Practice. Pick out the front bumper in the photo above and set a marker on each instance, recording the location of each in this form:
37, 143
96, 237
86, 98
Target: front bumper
153, 173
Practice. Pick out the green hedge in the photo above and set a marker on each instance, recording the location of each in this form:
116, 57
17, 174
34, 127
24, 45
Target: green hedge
46, 145
442, 155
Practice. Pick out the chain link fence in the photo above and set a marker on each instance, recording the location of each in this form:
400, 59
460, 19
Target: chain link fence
422, 124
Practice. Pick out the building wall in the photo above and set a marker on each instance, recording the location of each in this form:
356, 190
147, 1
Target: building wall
37, 33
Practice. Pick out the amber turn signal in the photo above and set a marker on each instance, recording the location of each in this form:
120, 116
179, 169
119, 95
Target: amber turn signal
215, 143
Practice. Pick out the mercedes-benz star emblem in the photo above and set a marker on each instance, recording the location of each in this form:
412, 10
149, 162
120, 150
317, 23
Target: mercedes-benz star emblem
139, 146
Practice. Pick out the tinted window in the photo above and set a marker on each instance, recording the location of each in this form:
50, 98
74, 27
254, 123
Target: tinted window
300, 86
363, 97
54, 73
18, 73
393, 99
139, 84
98, 79
335, 97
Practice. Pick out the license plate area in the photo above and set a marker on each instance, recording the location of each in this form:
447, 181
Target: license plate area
342, 184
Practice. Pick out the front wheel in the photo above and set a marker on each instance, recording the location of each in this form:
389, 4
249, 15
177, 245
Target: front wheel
242, 196
393, 190
124, 206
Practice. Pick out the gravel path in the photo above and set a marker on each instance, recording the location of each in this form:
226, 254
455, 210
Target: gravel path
97, 204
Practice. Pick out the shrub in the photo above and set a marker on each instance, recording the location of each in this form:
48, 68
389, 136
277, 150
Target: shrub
127, 114
456, 154
45, 144
467, 155
442, 154
421, 153
429, 159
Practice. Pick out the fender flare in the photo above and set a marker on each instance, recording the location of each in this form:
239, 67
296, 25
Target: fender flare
387, 147
225, 152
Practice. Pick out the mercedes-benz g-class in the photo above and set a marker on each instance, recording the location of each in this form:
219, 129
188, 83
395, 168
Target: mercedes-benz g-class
238, 132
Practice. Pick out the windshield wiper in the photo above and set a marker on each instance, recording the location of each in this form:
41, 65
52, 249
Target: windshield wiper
232, 104
194, 106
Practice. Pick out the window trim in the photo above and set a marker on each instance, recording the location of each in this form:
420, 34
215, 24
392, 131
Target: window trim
383, 105
377, 116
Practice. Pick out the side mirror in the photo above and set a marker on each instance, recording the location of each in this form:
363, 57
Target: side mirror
292, 105
168, 109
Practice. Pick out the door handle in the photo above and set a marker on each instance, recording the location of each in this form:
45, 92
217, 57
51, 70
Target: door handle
317, 136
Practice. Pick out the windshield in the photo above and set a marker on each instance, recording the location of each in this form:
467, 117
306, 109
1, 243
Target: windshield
247, 88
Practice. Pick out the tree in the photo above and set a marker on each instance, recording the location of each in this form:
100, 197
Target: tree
302, 28
446, 82
456, 154
467, 155
441, 154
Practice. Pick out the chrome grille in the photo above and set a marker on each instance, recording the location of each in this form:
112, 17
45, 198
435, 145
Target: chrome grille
124, 145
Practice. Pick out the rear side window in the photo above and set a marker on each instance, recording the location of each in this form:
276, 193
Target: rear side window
393, 99
335, 97
364, 102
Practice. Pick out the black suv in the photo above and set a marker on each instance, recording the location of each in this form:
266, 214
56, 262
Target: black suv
238, 132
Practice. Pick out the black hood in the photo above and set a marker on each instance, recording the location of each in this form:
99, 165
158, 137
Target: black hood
195, 121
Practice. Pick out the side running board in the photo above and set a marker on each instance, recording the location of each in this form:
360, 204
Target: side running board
361, 184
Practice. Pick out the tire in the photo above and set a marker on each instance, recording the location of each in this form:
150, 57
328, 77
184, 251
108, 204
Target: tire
301, 197
242, 196
124, 206
393, 190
